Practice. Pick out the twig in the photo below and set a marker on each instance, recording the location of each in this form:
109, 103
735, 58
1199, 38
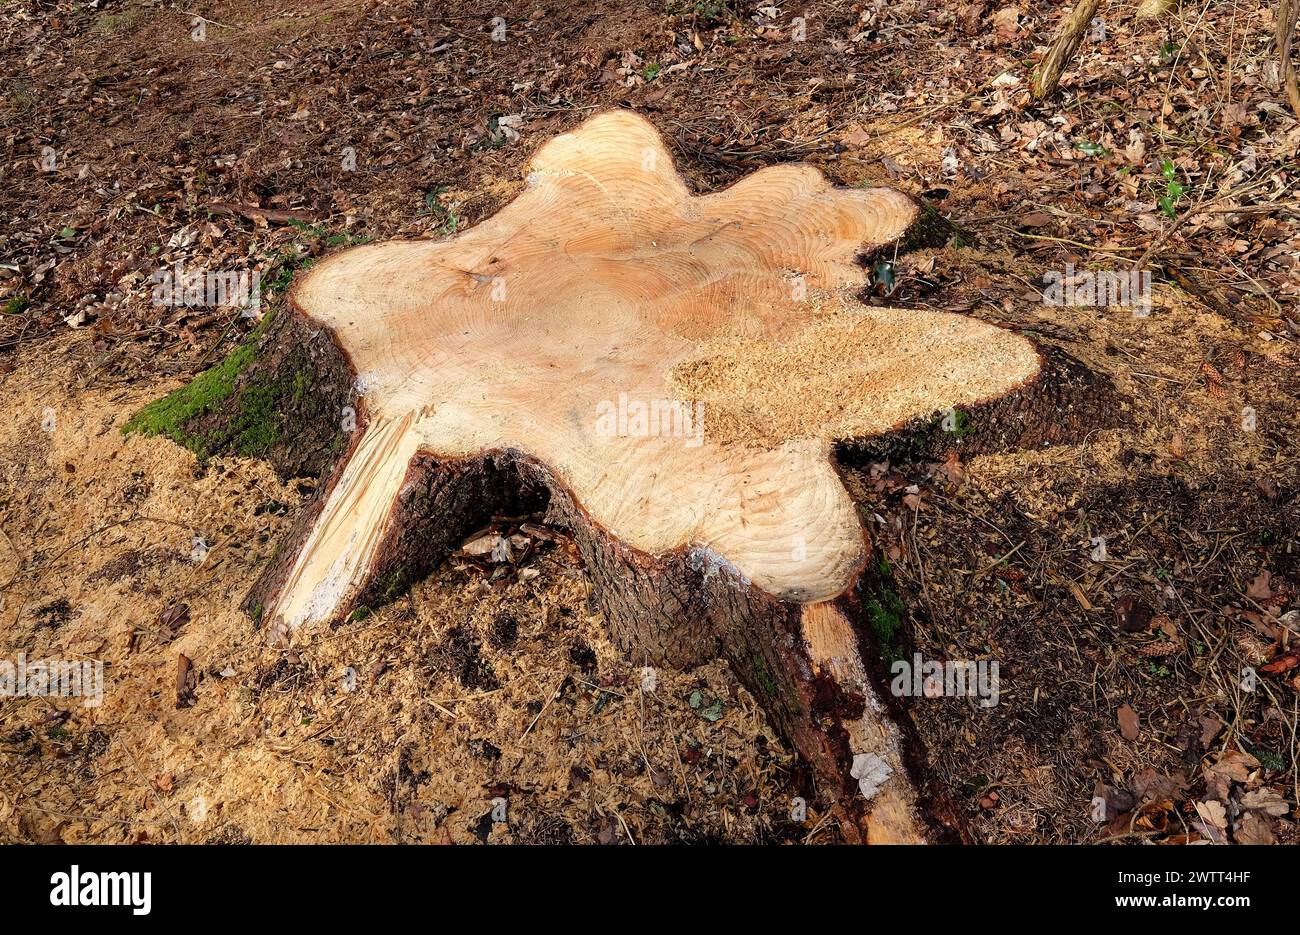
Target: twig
554, 694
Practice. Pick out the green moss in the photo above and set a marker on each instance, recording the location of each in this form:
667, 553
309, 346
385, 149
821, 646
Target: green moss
17, 305
208, 392
204, 394
302, 382
764, 677
256, 613
961, 424
396, 582
361, 613
117, 22
254, 429
885, 610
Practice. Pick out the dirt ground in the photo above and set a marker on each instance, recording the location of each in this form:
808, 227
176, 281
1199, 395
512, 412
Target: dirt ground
134, 137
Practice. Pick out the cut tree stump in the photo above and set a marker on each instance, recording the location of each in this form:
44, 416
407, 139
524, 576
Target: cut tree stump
666, 374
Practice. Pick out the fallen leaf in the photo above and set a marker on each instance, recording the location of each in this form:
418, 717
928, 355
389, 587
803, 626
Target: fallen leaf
1265, 800
1036, 219
1210, 727
1214, 820
953, 469
1259, 589
1007, 21
1252, 829
1281, 664
175, 617
186, 680
1233, 765
856, 137
1128, 722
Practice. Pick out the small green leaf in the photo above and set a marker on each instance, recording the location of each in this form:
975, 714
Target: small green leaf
884, 274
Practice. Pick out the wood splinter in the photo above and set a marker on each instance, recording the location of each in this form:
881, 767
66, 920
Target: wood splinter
667, 374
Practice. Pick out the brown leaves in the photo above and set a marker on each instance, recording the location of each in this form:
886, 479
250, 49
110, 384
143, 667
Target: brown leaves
1036, 219
1266, 801
1281, 664
952, 469
1259, 589
1006, 22
1152, 784
175, 617
1251, 805
186, 681
856, 138
1252, 829
1231, 766
1131, 614
1128, 722
1213, 822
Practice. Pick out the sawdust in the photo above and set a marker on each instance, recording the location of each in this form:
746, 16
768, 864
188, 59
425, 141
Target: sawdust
546, 716
851, 372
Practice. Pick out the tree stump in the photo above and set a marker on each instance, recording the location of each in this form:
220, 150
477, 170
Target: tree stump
667, 374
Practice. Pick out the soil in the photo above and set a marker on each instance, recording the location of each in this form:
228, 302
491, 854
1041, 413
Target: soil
491, 684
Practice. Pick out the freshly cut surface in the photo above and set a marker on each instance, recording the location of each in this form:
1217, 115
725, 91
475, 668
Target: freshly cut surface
680, 363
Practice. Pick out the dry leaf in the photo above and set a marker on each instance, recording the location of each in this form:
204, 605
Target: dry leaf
1214, 820
1265, 800
1259, 589
1252, 829
1128, 722
1281, 664
1036, 219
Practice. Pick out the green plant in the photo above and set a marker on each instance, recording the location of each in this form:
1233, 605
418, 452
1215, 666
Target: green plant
206, 393
448, 223
16, 305
1174, 190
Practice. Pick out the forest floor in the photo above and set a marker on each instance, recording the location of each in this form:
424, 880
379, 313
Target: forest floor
1140, 589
